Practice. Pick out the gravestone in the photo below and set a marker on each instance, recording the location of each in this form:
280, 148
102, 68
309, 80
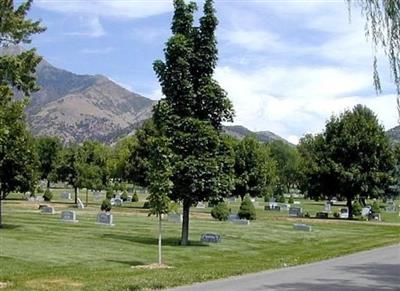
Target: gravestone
365, 211
129, 199
80, 204
210, 238
374, 216
200, 205
97, 195
232, 217
322, 215
297, 202
272, 199
118, 202
391, 207
68, 216
175, 217
328, 206
241, 221
284, 206
303, 227
295, 212
231, 200
66, 195
253, 200
39, 199
105, 218
48, 210
344, 213
32, 199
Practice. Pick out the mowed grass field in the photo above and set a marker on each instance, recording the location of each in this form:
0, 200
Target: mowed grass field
39, 252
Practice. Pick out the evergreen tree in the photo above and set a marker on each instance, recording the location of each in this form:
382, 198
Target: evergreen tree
191, 113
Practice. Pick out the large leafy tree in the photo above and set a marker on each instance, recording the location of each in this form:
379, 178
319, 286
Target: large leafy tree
191, 113
288, 163
47, 149
17, 158
255, 170
351, 158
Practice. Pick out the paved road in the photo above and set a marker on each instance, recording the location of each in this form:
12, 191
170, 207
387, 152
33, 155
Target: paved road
378, 269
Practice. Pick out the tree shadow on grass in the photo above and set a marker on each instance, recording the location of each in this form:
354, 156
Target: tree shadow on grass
9, 226
128, 263
151, 240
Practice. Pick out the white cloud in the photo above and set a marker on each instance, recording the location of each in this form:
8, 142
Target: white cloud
254, 40
93, 28
110, 8
295, 101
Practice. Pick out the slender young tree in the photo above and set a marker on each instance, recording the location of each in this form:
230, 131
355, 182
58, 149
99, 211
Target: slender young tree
160, 186
191, 113
47, 150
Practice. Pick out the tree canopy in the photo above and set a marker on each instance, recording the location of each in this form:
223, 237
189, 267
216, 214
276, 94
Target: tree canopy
351, 158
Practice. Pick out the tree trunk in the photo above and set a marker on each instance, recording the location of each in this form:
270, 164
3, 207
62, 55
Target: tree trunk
185, 223
350, 207
48, 184
159, 240
1, 210
87, 197
76, 195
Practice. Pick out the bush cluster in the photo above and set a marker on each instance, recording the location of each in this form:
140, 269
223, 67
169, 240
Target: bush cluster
106, 205
135, 197
47, 196
220, 211
124, 196
247, 210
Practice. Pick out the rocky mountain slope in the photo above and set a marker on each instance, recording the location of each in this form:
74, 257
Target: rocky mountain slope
80, 107
394, 134
240, 132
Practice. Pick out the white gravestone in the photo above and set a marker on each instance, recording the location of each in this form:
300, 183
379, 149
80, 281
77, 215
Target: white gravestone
118, 202
175, 217
68, 216
303, 227
48, 210
365, 211
105, 218
344, 213
80, 204
201, 205
328, 206
241, 221
66, 195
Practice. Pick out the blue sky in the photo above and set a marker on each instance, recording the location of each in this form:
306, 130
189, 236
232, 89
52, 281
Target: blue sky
286, 65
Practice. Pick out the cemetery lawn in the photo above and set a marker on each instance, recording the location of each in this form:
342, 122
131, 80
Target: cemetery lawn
39, 252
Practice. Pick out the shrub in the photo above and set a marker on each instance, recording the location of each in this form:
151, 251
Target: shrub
247, 210
336, 215
106, 205
307, 215
124, 196
47, 196
214, 202
357, 208
220, 212
109, 193
291, 200
375, 207
135, 197
146, 205
266, 198
281, 199
39, 190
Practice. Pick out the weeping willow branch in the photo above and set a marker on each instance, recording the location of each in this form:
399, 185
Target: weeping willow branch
383, 28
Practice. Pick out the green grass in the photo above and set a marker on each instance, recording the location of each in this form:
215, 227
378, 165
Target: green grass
39, 252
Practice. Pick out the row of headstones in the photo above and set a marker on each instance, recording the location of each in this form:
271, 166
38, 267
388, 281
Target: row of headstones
70, 215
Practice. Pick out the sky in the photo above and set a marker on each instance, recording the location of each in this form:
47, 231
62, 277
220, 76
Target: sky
287, 65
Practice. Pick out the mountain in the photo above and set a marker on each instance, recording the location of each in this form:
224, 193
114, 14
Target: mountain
80, 107
240, 132
394, 134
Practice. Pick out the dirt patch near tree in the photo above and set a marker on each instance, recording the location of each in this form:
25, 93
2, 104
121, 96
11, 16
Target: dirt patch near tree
4, 285
53, 284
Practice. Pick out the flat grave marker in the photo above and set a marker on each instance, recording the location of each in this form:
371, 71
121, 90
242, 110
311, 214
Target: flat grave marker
301, 226
210, 238
48, 210
295, 211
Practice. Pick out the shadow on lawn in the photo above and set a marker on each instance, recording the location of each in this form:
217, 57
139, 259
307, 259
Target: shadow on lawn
129, 263
151, 240
9, 226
